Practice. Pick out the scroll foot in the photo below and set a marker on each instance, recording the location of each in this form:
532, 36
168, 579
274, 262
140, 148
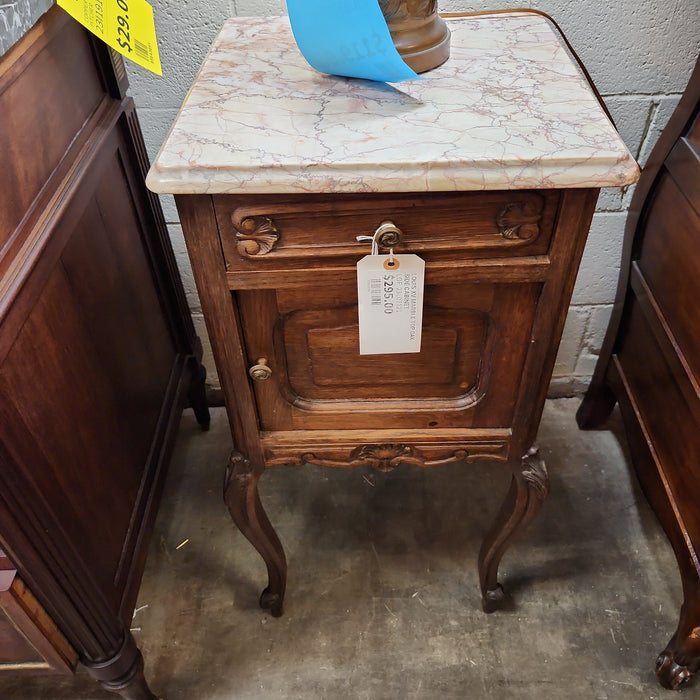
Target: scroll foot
671, 675
272, 602
529, 487
680, 660
243, 502
493, 599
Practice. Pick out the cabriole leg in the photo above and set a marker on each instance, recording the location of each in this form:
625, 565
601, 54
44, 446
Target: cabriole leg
529, 487
243, 502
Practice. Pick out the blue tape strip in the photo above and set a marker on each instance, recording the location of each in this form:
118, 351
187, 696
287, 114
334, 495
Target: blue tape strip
347, 37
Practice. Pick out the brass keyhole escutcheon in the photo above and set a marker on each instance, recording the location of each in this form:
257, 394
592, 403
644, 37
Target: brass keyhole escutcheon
388, 235
261, 370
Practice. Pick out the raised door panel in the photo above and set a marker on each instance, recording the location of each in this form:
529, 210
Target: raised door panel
33, 138
475, 338
83, 381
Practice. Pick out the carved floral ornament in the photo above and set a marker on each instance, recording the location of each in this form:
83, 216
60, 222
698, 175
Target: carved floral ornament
519, 220
255, 235
386, 457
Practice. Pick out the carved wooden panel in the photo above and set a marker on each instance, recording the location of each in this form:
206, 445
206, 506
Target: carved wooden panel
263, 234
387, 449
469, 365
447, 367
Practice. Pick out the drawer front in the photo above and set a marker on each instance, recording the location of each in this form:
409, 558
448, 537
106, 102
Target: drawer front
267, 233
475, 340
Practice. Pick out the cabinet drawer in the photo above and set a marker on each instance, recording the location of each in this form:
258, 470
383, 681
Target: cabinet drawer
270, 233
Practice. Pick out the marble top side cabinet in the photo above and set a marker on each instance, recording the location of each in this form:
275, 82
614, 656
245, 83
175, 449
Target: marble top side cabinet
488, 169
98, 357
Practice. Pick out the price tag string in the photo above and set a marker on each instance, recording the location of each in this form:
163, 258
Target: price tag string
391, 262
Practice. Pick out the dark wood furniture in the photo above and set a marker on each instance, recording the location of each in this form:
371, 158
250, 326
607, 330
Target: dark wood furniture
98, 356
650, 361
275, 177
30, 642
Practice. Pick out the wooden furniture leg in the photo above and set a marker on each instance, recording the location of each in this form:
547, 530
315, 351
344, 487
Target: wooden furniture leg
122, 673
596, 407
243, 502
198, 394
680, 660
529, 487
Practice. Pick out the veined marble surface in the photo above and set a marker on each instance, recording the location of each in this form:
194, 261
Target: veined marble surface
508, 110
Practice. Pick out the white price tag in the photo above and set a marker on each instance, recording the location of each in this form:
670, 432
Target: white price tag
390, 303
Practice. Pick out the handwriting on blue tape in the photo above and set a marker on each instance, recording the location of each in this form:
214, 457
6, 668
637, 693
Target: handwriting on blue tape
347, 37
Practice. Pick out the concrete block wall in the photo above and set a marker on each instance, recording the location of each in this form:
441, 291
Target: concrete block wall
639, 53
17, 17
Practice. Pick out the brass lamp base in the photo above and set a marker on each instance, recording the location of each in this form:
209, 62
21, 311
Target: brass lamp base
420, 35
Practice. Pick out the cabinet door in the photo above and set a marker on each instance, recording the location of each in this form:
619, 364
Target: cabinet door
474, 342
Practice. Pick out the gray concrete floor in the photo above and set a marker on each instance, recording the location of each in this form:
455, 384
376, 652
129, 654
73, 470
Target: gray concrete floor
383, 599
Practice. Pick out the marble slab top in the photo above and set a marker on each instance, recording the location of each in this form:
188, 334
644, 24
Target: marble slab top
508, 110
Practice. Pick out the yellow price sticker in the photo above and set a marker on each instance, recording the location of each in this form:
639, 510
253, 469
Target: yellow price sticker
125, 25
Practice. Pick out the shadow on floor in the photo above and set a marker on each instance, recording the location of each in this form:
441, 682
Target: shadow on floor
383, 600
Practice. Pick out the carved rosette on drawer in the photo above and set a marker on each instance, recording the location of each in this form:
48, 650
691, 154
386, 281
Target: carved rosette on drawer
255, 235
520, 220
